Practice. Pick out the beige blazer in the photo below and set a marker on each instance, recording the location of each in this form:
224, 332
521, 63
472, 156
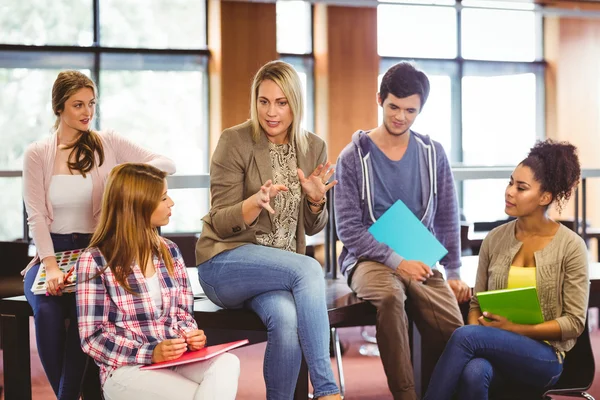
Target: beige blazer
239, 167
562, 277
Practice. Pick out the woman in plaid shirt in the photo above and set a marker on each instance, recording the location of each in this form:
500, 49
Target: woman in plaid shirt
134, 302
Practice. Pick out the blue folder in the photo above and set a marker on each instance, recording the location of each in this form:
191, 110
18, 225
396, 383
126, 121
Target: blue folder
400, 229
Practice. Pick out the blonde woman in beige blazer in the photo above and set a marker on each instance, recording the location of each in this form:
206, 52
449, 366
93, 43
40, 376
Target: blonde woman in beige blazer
492, 353
268, 179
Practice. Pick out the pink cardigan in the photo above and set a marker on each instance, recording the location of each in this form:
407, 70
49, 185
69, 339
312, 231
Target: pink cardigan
38, 166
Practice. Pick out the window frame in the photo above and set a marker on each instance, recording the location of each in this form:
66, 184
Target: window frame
90, 57
458, 67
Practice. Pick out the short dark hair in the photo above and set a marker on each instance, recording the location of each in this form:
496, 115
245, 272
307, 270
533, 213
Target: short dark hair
555, 166
403, 80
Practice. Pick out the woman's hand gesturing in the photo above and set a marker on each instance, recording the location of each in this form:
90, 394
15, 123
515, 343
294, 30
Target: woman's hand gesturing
315, 185
266, 193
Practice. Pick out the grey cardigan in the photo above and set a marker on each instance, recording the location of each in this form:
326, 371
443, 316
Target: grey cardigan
561, 273
239, 167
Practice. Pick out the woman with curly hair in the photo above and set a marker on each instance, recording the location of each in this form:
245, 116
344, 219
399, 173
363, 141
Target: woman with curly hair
491, 352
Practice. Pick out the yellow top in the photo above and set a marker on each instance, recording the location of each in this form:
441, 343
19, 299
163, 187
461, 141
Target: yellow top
519, 277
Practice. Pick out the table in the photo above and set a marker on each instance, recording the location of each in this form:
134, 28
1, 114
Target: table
344, 310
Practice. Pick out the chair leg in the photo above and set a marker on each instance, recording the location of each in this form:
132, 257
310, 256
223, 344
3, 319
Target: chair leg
335, 341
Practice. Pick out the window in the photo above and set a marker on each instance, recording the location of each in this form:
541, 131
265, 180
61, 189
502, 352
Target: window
158, 24
294, 27
487, 83
294, 45
485, 36
150, 65
38, 23
416, 31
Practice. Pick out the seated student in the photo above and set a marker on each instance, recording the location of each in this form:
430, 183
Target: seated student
379, 167
532, 250
63, 181
135, 303
268, 179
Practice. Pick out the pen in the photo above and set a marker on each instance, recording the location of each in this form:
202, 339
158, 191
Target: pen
69, 274
181, 333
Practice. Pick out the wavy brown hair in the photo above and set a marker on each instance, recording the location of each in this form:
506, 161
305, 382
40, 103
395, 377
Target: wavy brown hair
125, 235
88, 144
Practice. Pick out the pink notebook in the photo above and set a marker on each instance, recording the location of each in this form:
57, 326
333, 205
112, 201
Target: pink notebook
198, 355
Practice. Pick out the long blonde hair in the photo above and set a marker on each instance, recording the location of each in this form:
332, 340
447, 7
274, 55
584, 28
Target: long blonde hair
125, 234
89, 143
286, 77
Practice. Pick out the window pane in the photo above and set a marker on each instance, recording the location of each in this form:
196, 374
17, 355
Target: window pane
172, 24
499, 127
294, 27
25, 96
416, 31
190, 206
425, 2
41, 23
499, 113
303, 65
510, 4
435, 119
163, 110
485, 35
484, 199
11, 202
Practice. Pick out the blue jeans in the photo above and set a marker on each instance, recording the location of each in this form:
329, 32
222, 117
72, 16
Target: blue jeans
59, 348
478, 357
287, 291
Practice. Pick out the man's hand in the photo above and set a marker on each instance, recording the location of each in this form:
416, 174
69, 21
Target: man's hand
169, 349
461, 290
415, 270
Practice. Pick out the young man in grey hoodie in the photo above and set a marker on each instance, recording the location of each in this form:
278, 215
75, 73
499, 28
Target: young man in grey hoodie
376, 169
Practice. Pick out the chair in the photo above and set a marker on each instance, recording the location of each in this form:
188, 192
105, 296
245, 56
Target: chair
576, 378
578, 370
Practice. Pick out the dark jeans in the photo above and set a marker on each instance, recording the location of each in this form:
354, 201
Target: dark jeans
59, 347
480, 359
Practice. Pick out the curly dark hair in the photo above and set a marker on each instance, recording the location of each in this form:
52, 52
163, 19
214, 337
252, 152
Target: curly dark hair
556, 166
404, 79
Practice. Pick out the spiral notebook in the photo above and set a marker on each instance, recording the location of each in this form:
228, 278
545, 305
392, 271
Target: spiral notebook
400, 229
66, 261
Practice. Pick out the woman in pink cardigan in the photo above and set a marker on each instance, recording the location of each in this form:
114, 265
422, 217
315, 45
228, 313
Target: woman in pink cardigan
63, 182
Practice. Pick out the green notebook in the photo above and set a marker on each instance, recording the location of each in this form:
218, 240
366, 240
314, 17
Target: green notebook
520, 305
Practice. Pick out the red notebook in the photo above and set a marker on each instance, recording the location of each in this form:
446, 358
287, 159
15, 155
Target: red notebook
198, 355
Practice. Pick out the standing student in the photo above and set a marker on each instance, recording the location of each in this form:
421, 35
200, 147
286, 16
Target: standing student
492, 353
268, 180
379, 167
135, 303
63, 181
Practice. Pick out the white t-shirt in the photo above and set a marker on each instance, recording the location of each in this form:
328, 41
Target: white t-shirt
71, 198
154, 289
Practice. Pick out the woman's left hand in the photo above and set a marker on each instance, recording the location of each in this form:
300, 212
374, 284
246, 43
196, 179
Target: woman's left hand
495, 321
196, 339
315, 185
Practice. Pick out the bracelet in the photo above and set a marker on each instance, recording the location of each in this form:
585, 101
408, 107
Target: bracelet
319, 204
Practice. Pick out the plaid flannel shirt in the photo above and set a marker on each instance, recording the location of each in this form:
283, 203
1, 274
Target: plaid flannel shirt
118, 328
